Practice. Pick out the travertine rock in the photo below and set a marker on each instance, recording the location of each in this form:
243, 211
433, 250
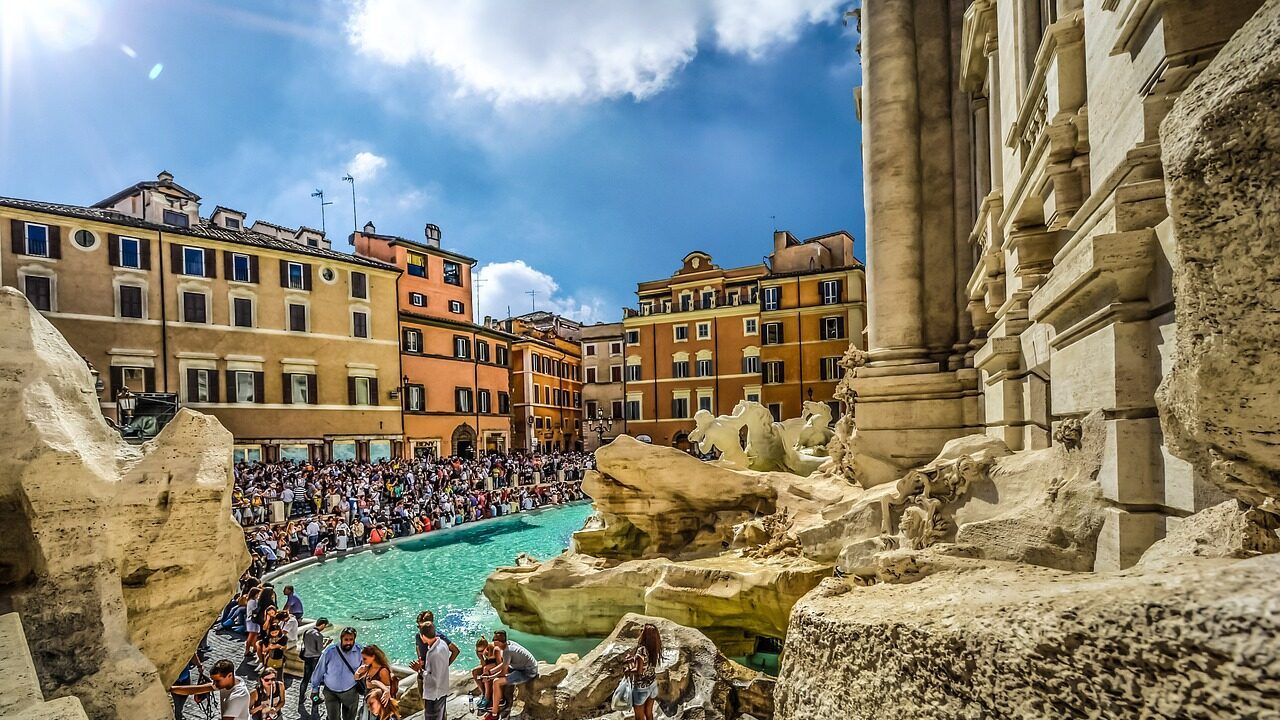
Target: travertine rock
1222, 531
975, 639
20, 696
695, 681
1220, 406
117, 556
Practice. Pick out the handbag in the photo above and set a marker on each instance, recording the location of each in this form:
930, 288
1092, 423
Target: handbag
622, 695
361, 687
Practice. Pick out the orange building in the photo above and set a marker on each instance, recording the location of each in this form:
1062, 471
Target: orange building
455, 374
708, 337
546, 381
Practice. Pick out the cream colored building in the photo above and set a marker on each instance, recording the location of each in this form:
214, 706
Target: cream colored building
293, 346
1018, 235
603, 382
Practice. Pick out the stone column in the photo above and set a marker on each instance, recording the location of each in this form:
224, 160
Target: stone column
891, 143
939, 171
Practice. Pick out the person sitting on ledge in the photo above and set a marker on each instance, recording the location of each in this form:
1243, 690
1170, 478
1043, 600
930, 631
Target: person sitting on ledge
515, 666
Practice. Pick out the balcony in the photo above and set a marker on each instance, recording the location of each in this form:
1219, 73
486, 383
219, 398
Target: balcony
720, 300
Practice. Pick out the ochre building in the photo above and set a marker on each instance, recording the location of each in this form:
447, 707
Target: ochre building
546, 381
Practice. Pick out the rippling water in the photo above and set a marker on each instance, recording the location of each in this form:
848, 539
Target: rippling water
381, 592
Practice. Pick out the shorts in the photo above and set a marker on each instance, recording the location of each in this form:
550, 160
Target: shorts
252, 627
520, 677
641, 695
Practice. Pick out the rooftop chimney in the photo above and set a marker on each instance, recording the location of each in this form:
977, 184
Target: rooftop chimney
165, 176
369, 228
433, 235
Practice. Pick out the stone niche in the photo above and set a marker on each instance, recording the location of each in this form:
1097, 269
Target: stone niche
117, 556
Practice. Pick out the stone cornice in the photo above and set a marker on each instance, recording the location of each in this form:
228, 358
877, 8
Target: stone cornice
979, 29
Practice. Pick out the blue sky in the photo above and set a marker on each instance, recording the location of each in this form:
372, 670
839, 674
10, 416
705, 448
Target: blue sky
573, 147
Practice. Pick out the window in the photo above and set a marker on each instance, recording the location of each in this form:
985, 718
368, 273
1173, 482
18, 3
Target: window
704, 402
833, 328
173, 217
134, 378
417, 299
708, 299
242, 312
830, 292
361, 390
482, 351
299, 389
359, 285
193, 261
750, 326
39, 291
680, 368
240, 268
455, 306
615, 348
360, 324
773, 372
503, 355
772, 299
195, 307
751, 364
537, 422
245, 386
417, 264
591, 375
37, 240
231, 223
85, 239
775, 409
504, 403
200, 385
462, 399
704, 330
415, 398
328, 274
615, 373
633, 410
773, 333
461, 347
704, 368
295, 276
686, 302
615, 410
482, 398
413, 341
452, 273
297, 317
633, 372
130, 252
130, 301
830, 369
681, 333
592, 408
753, 396
589, 349
680, 407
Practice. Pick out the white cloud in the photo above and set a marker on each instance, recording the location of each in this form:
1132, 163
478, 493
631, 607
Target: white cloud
571, 50
365, 166
505, 285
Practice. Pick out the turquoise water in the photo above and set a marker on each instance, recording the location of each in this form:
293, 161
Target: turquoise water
380, 592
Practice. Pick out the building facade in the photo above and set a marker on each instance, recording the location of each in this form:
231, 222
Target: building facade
264, 327
1019, 238
707, 337
546, 381
603, 393
455, 374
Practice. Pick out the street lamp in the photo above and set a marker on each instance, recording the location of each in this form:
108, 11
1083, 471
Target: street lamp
530, 434
600, 425
126, 403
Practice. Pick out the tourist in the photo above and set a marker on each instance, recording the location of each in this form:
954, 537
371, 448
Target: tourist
484, 673
251, 626
313, 643
275, 644
435, 655
292, 603
268, 698
642, 666
427, 616
516, 666
381, 683
233, 692
335, 672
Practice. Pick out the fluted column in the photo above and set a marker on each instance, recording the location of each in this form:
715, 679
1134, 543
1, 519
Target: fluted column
891, 153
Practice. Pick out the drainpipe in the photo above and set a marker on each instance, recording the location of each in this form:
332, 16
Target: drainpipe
164, 303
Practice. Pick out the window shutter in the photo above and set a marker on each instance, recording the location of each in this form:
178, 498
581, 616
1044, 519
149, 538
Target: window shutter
149, 379
144, 253
117, 381
55, 241
213, 387
840, 326
175, 258
286, 383
18, 238
113, 250
284, 273
404, 339
306, 276
192, 384
373, 392
253, 268
351, 391
258, 395
312, 398
228, 269
231, 386
211, 263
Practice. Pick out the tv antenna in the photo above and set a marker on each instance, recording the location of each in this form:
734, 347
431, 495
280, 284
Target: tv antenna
320, 194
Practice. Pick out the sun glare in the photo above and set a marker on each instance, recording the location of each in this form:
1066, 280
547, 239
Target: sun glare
53, 24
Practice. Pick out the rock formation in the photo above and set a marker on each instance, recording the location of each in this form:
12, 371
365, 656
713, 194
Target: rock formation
1220, 405
118, 556
20, 695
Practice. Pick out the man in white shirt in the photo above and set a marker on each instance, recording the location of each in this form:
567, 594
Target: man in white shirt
233, 692
432, 665
313, 534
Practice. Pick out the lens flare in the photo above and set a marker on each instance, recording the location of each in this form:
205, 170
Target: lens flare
155, 71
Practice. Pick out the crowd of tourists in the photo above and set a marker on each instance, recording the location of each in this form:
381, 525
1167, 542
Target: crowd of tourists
334, 506
350, 681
